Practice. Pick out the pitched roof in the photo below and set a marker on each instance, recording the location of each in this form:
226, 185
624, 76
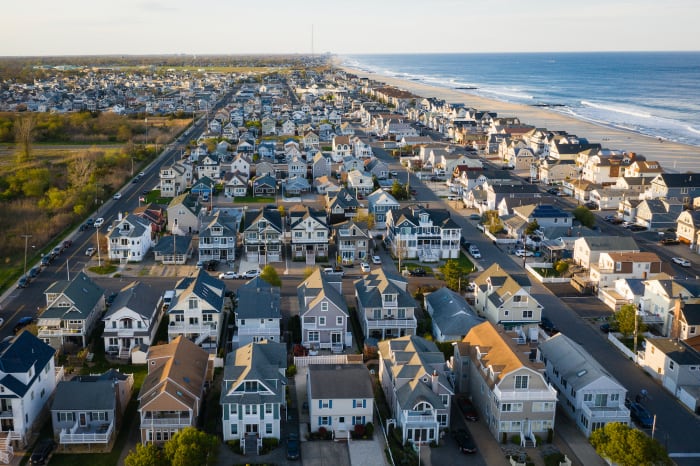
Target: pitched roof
258, 299
264, 362
137, 297
451, 312
78, 395
371, 287
316, 288
81, 291
204, 286
24, 352
494, 350
339, 381
611, 243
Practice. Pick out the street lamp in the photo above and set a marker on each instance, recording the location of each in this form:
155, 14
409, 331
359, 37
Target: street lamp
26, 242
97, 235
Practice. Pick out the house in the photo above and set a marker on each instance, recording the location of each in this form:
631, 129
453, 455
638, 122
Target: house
130, 240
658, 214
325, 320
675, 364
503, 300
297, 167
87, 410
28, 379
451, 316
218, 234
295, 186
73, 308
253, 393
172, 392
688, 227
378, 204
505, 383
268, 126
687, 323
587, 250
341, 147
416, 383
320, 165
204, 187
351, 242
310, 140
132, 320
258, 313
265, 185
684, 187
660, 305
196, 311
235, 185
309, 234
385, 308
209, 166
425, 234
175, 179
173, 249
183, 215
325, 185
377, 168
360, 182
241, 164
340, 397
588, 393
153, 214
262, 235
614, 265
341, 205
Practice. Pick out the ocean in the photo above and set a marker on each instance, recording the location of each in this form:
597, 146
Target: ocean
653, 93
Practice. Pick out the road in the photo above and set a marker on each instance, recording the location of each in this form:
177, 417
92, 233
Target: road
18, 303
673, 420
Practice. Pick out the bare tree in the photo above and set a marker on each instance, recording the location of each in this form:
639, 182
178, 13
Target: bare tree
24, 135
81, 168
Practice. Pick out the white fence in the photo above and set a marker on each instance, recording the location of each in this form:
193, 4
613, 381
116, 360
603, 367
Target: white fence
612, 337
530, 267
303, 361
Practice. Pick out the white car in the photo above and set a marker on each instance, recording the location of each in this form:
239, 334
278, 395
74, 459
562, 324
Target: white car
524, 253
117, 196
365, 267
228, 275
251, 274
681, 261
90, 252
99, 222
376, 260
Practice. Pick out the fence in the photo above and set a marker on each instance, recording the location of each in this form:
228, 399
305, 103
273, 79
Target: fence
530, 267
303, 361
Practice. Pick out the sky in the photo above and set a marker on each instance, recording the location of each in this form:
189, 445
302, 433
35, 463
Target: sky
144, 27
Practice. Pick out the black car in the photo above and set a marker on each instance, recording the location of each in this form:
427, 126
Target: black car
465, 442
669, 241
417, 272
110, 299
293, 452
554, 191
547, 325
212, 265
34, 272
46, 260
468, 409
23, 282
636, 228
608, 327
42, 451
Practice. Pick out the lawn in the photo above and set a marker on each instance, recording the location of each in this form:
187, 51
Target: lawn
254, 200
547, 272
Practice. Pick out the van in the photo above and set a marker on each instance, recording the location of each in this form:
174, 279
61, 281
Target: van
168, 299
205, 197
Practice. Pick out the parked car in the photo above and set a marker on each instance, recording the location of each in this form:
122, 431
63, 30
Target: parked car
468, 409
230, 275
524, 253
23, 282
251, 274
636, 227
474, 217
67, 243
617, 221
46, 260
554, 191
34, 271
42, 451
681, 261
376, 260
474, 252
99, 222
23, 322
90, 252
465, 442
212, 265
641, 415
90, 222
590, 205
669, 241
417, 272
117, 196
56, 251
293, 450
110, 299
608, 327
364, 266
547, 325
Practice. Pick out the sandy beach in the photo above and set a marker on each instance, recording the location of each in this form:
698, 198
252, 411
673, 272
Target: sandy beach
673, 157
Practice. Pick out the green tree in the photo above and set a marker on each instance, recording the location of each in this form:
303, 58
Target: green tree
270, 275
191, 446
146, 455
399, 191
454, 275
561, 267
627, 446
627, 318
367, 219
585, 216
532, 227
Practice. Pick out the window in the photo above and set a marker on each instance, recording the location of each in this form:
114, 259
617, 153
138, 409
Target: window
527, 314
321, 321
358, 420
521, 381
193, 303
268, 408
588, 397
234, 429
324, 306
314, 336
615, 397
66, 417
511, 407
207, 317
339, 320
179, 318
233, 408
268, 429
670, 365
359, 403
442, 419
401, 313
324, 420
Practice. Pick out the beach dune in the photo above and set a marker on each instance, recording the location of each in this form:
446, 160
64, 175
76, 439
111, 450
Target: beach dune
673, 157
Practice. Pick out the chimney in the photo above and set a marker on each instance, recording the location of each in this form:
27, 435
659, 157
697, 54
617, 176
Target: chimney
434, 381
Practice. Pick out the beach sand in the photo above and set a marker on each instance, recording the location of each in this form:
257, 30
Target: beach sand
672, 156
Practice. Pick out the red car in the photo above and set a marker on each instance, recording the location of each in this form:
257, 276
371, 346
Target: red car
468, 409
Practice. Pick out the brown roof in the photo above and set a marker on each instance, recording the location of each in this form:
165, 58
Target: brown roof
634, 257
494, 350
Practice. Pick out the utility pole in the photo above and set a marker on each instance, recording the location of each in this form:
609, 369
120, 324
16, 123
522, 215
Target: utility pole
26, 243
97, 235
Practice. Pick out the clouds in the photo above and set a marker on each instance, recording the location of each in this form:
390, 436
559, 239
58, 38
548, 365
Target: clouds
44, 27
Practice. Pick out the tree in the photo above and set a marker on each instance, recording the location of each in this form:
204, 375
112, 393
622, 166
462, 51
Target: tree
585, 216
269, 274
453, 273
399, 191
191, 446
146, 455
626, 319
24, 135
532, 227
367, 219
627, 446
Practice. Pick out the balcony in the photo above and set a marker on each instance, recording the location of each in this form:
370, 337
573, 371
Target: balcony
389, 322
7, 414
195, 328
425, 417
44, 332
91, 433
608, 413
525, 395
158, 419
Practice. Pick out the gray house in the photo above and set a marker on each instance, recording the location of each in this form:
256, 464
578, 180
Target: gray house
683, 186
258, 313
324, 314
452, 317
320, 165
379, 203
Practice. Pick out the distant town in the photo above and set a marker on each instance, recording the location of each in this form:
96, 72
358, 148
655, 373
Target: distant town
318, 265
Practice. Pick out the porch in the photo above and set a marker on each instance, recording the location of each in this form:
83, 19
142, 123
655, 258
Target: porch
90, 433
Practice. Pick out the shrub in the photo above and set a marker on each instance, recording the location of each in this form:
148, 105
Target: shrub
369, 429
359, 430
550, 435
515, 440
291, 370
269, 444
235, 445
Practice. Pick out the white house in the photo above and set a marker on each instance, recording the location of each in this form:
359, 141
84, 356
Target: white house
258, 314
130, 239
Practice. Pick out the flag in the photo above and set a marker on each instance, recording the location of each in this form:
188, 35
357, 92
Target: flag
142, 199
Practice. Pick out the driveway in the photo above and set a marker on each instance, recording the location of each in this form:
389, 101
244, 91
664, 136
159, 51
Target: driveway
325, 453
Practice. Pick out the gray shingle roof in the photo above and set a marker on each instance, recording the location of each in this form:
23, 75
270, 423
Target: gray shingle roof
451, 313
340, 381
258, 299
204, 286
23, 352
84, 395
81, 291
378, 282
261, 361
137, 297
